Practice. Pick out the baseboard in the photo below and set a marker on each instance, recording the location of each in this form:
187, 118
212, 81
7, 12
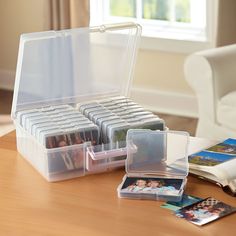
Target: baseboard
7, 79
166, 102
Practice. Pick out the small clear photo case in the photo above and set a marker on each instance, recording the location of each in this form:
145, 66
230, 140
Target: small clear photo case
156, 165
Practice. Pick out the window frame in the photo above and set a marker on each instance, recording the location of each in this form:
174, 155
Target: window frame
165, 42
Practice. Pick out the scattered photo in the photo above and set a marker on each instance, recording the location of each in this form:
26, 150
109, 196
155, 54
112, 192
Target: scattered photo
209, 158
151, 185
205, 211
186, 201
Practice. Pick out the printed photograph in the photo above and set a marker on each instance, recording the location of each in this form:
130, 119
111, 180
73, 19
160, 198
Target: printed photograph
50, 142
205, 211
61, 140
88, 135
230, 141
76, 138
95, 137
209, 158
226, 147
186, 201
151, 185
119, 134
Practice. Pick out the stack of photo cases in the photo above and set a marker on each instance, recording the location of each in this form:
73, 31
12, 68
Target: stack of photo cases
102, 124
115, 116
156, 165
56, 127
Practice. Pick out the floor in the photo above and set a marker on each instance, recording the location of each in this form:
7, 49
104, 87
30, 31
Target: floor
172, 122
180, 123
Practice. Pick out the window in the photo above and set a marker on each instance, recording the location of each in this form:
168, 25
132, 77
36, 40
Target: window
182, 20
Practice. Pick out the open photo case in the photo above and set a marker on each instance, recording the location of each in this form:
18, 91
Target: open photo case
153, 170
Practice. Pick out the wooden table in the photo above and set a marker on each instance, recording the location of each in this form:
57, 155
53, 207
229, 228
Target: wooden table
89, 205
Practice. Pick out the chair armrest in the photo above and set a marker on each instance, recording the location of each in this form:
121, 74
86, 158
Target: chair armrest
212, 74
198, 74
222, 62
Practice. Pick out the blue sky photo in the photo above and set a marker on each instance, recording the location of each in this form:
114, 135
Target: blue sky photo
230, 141
212, 156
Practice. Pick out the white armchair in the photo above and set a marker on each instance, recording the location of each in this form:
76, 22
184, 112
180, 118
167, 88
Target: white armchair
212, 75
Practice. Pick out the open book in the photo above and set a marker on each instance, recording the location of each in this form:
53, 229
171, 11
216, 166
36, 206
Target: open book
217, 164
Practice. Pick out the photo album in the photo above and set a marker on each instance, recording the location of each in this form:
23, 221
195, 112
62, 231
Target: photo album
217, 164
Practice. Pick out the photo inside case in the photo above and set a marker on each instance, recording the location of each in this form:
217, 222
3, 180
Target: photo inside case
156, 165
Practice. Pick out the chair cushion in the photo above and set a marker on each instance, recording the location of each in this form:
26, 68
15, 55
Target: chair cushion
226, 112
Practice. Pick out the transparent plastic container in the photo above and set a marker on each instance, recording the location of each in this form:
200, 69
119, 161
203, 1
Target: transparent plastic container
156, 165
70, 67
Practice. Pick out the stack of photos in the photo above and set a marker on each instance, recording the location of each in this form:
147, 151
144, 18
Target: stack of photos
205, 211
150, 188
215, 155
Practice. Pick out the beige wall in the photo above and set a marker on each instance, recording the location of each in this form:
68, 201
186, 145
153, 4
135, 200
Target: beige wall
17, 17
161, 71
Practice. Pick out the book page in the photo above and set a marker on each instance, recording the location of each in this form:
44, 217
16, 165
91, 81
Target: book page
197, 144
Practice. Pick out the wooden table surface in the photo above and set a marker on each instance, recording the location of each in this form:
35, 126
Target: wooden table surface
89, 205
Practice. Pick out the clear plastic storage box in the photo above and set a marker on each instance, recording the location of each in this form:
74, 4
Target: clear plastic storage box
72, 67
156, 165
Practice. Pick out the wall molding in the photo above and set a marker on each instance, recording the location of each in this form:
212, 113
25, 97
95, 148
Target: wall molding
7, 79
166, 101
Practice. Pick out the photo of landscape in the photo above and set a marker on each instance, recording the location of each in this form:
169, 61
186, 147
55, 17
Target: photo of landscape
209, 158
227, 147
230, 141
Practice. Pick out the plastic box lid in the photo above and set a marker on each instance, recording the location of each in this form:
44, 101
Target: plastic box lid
158, 153
75, 65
